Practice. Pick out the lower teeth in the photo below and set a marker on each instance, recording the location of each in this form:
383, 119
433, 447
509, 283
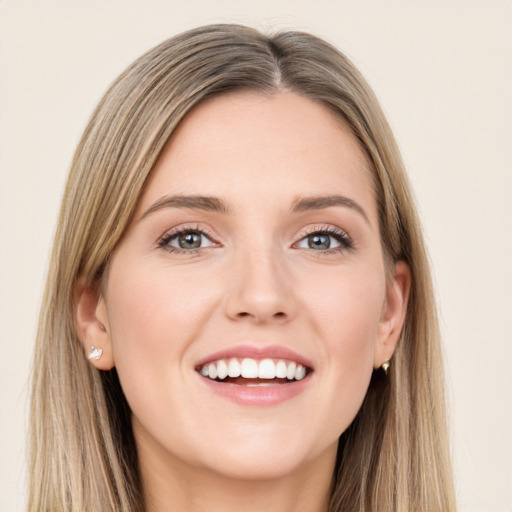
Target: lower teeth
262, 385
241, 381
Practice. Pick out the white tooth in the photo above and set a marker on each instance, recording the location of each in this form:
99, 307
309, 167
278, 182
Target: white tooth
281, 369
234, 367
249, 368
212, 371
300, 372
222, 369
290, 371
267, 369
204, 371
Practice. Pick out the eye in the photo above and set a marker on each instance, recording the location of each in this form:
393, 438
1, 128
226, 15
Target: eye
325, 240
186, 240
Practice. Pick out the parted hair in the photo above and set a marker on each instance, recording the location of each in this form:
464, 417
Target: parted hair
394, 457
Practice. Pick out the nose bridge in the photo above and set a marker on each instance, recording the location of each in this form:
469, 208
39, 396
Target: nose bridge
259, 286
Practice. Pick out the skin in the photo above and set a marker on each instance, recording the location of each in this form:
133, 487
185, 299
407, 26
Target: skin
256, 280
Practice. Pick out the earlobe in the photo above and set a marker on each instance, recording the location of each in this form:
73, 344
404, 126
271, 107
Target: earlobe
91, 323
393, 314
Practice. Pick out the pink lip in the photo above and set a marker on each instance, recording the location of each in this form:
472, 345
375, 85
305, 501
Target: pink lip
257, 396
257, 352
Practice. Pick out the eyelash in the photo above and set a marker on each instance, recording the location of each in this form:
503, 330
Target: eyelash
346, 243
171, 235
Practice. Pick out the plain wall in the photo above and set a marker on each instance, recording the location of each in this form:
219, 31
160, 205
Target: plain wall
443, 72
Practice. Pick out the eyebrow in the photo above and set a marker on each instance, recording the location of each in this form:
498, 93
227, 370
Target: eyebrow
205, 203
302, 204
214, 204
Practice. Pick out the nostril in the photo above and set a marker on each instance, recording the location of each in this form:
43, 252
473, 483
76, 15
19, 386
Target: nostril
244, 314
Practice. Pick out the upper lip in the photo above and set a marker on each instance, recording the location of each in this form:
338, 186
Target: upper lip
257, 352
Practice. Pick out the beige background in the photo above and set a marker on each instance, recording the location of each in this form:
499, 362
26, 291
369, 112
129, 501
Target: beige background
443, 71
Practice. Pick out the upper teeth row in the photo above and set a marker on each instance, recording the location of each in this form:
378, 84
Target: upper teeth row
253, 369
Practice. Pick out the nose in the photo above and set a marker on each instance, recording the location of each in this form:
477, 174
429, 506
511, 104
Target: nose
260, 290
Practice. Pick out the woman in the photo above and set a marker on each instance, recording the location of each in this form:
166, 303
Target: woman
239, 311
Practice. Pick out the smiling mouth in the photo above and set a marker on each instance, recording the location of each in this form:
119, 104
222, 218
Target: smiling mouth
253, 372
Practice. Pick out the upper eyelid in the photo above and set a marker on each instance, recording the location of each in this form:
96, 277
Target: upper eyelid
346, 241
300, 234
324, 228
193, 226
172, 232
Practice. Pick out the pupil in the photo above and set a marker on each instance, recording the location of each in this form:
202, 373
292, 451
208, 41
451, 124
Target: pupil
190, 241
319, 241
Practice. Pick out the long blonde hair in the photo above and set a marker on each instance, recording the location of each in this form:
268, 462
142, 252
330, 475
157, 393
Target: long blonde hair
395, 455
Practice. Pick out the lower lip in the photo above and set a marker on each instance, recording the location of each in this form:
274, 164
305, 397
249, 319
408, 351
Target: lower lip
259, 395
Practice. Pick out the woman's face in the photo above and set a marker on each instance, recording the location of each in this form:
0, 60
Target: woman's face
256, 239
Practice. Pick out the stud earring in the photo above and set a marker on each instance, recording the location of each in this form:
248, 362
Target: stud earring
385, 366
95, 353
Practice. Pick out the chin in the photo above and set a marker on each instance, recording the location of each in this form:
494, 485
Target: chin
264, 455
265, 465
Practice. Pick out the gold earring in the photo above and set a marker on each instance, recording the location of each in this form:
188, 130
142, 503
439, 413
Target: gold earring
385, 366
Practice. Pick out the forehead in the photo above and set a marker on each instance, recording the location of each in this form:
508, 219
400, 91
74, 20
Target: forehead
244, 145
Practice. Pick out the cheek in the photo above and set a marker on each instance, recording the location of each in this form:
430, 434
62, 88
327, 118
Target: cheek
154, 315
155, 301
346, 308
347, 321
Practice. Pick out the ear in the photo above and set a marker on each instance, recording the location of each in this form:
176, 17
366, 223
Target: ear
91, 322
393, 313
